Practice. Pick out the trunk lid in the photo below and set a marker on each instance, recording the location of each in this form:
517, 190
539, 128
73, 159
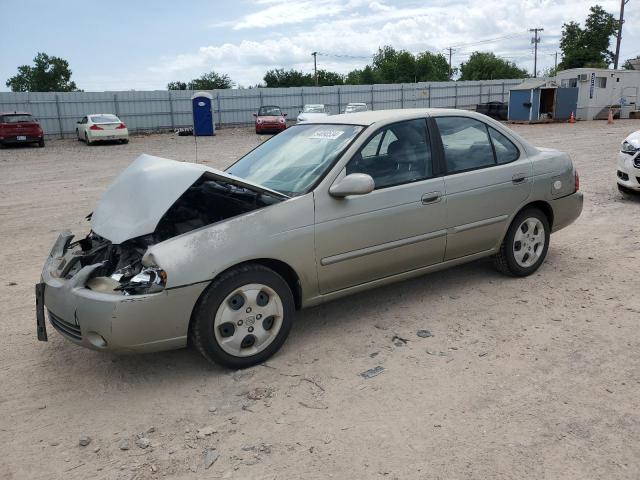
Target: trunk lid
136, 201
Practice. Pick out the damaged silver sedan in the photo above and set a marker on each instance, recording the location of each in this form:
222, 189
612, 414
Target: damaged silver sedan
181, 252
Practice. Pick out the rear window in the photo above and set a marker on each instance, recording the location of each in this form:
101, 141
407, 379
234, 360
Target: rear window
104, 119
16, 118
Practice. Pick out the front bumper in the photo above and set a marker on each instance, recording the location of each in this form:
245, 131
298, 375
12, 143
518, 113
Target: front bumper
270, 127
628, 174
566, 210
115, 322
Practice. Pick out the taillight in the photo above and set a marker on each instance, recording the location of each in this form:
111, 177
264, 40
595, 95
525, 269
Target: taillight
122, 125
577, 181
95, 127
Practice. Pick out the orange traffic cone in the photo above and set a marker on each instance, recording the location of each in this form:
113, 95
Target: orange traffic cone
572, 118
610, 118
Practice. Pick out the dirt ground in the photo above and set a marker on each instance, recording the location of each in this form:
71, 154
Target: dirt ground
535, 378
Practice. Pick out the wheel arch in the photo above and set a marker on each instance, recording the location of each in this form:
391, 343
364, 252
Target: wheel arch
543, 206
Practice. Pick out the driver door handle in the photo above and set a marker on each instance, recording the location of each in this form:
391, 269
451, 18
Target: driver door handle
432, 197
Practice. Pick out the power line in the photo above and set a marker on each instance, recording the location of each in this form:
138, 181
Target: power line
488, 40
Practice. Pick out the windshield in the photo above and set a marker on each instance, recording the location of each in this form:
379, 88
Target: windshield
313, 109
292, 161
16, 118
104, 119
265, 111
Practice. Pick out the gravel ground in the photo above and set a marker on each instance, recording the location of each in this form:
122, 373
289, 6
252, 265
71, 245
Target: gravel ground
529, 378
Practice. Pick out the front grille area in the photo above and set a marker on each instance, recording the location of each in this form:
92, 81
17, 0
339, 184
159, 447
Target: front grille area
65, 328
623, 176
636, 161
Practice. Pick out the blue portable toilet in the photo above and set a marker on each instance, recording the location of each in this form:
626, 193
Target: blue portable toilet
202, 108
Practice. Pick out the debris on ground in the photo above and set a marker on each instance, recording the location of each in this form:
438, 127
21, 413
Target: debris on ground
210, 457
372, 372
84, 440
399, 341
437, 354
124, 444
143, 442
424, 333
260, 393
205, 432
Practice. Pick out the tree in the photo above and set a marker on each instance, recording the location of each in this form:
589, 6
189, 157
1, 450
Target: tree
280, 77
48, 74
399, 66
176, 86
486, 66
431, 67
588, 46
211, 81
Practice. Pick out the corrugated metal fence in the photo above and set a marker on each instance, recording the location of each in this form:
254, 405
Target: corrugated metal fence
164, 110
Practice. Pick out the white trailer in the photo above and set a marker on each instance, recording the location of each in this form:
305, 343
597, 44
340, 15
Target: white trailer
600, 89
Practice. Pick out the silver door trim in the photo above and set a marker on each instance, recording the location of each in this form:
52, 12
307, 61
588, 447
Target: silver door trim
341, 257
478, 224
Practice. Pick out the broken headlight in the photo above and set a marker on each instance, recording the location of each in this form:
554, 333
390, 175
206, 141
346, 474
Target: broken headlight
148, 280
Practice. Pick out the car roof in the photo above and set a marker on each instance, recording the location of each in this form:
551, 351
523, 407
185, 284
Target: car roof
356, 103
314, 104
270, 106
15, 113
388, 116
98, 114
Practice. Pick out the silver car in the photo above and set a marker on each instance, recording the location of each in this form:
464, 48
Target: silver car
180, 251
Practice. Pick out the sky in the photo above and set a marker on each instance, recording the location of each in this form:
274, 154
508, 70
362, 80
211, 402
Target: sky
144, 44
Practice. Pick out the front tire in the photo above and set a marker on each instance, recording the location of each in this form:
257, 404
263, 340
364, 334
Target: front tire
243, 317
525, 246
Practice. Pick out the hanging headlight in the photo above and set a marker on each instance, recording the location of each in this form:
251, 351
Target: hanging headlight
149, 280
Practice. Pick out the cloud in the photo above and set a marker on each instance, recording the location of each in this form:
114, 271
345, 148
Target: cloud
357, 28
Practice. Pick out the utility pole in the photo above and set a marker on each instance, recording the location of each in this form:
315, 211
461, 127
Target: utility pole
450, 71
536, 40
555, 63
315, 67
619, 35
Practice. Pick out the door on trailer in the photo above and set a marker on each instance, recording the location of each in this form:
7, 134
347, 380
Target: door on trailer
566, 102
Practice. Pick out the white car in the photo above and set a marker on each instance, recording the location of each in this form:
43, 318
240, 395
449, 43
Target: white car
101, 126
311, 112
356, 107
629, 164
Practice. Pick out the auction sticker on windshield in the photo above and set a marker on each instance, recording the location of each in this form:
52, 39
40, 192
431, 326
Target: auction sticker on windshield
327, 134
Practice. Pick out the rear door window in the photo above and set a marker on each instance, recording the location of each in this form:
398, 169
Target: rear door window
466, 143
16, 118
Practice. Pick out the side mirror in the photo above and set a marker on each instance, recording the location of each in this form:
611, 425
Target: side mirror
299, 111
255, 114
285, 114
354, 184
79, 121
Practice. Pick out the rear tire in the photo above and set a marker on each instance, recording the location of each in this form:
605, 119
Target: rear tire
125, 141
241, 336
525, 246
41, 143
86, 139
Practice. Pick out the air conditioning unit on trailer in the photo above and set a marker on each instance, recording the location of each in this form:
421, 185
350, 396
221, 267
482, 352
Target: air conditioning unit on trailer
583, 77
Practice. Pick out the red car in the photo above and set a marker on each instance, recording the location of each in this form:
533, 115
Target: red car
270, 119
20, 127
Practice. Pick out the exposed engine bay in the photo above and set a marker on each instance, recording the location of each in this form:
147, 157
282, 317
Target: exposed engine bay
121, 269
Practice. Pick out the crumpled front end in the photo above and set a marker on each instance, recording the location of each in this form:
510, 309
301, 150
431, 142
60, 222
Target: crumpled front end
89, 310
